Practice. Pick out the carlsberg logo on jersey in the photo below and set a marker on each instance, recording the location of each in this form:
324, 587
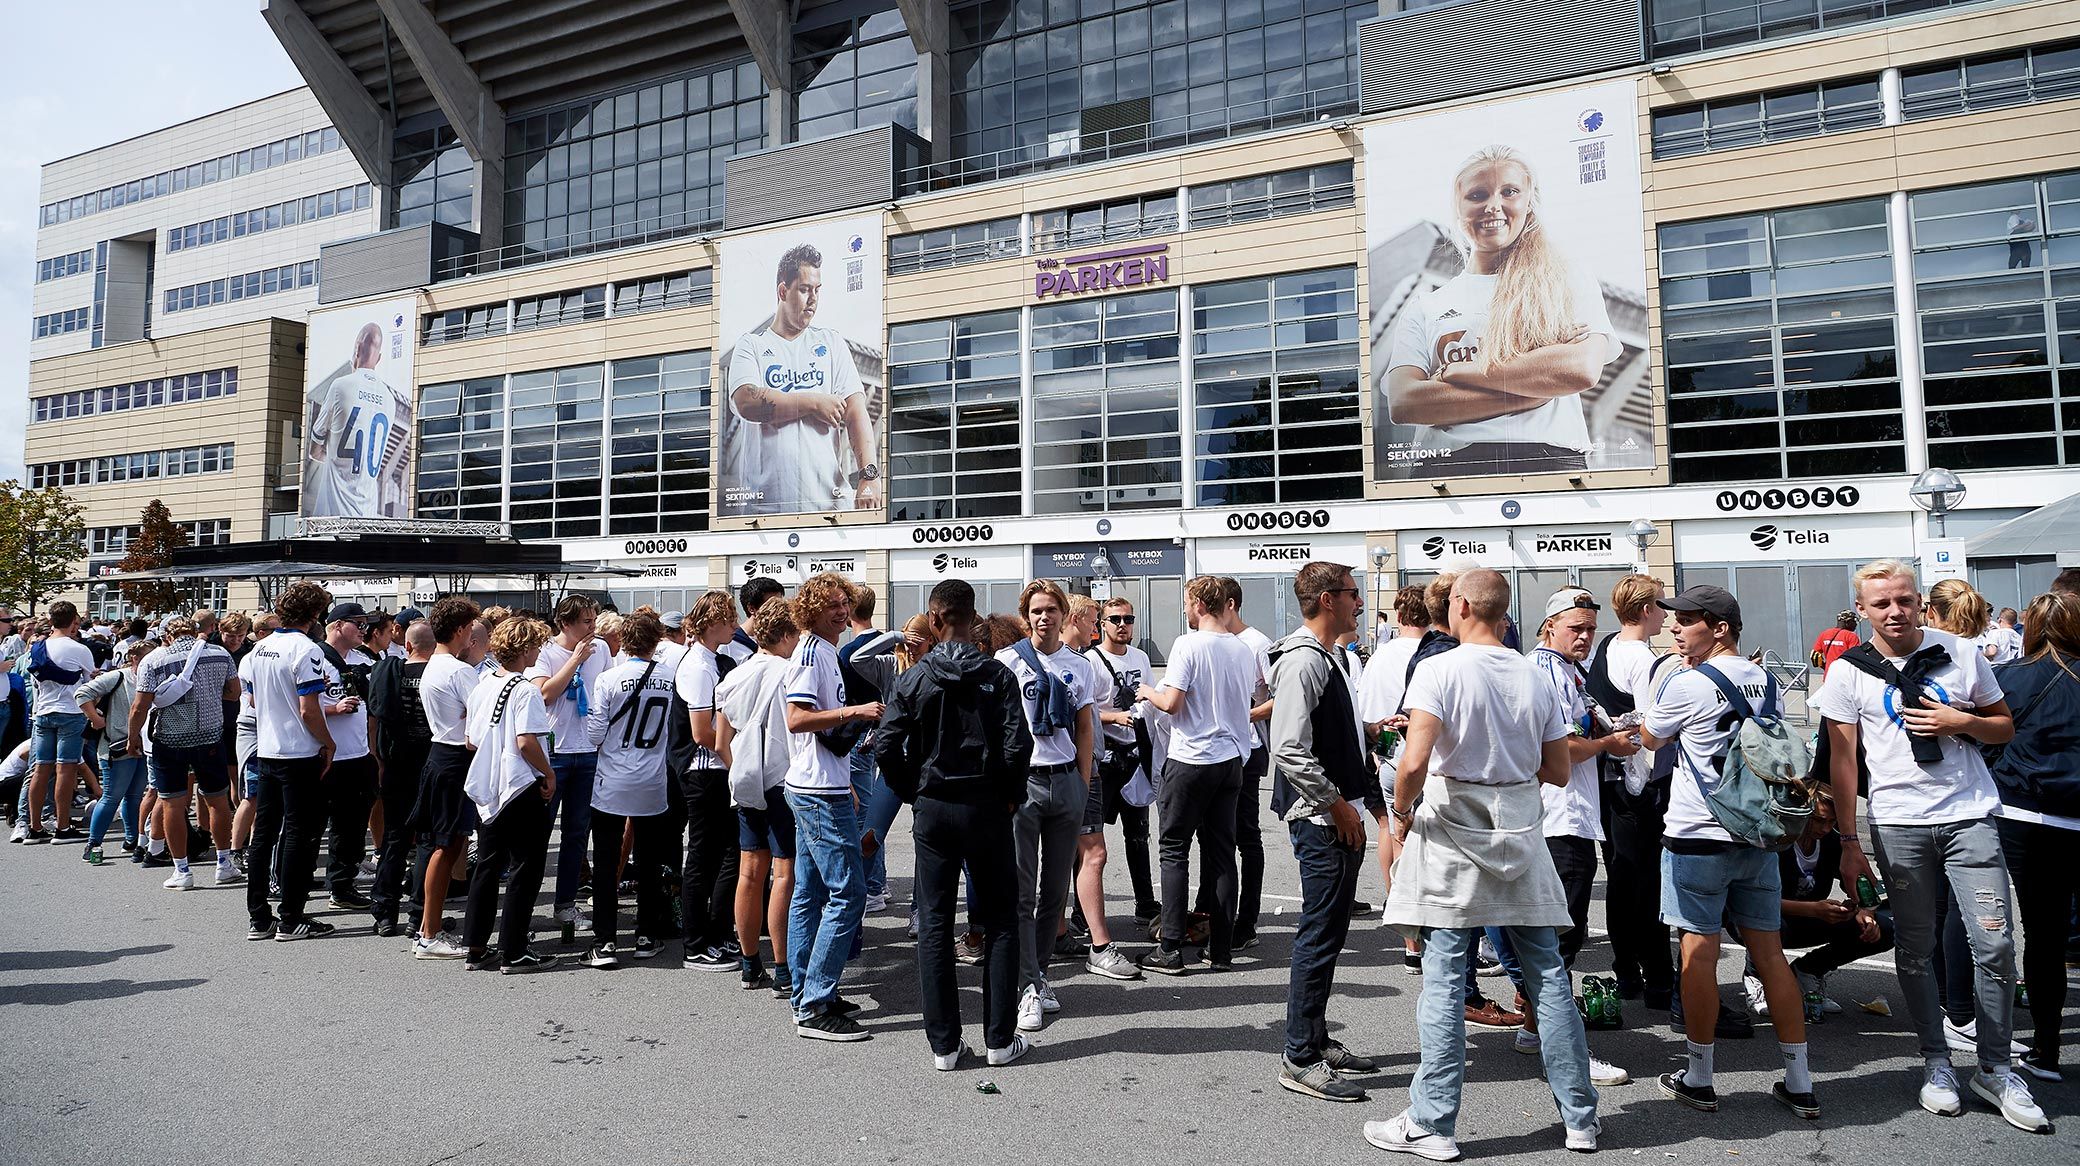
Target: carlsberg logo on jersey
787, 380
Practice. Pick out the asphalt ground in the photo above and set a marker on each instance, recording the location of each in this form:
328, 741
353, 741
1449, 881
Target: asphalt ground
139, 1026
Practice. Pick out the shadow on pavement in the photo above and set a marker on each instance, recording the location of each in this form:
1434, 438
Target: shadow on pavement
99, 990
45, 961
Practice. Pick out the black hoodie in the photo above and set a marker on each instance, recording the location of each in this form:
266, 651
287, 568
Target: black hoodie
953, 729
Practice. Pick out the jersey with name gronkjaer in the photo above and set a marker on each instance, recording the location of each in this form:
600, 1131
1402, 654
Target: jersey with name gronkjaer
794, 466
355, 419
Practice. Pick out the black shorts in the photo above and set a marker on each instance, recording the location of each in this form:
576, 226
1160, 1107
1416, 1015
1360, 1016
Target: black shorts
444, 810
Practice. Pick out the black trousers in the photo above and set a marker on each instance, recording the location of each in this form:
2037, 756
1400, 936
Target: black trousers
708, 876
1574, 860
653, 911
350, 789
1249, 849
1199, 801
400, 788
2046, 880
290, 813
1836, 944
1632, 894
1328, 883
519, 838
949, 836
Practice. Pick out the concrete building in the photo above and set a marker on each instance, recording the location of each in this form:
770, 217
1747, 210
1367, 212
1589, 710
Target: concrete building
174, 271
1144, 283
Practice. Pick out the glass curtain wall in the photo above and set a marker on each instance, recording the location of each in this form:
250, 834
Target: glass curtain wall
855, 73
1106, 432
953, 440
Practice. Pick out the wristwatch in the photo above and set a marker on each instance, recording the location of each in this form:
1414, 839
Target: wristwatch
866, 473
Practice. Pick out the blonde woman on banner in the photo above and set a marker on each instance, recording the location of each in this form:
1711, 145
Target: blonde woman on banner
1492, 364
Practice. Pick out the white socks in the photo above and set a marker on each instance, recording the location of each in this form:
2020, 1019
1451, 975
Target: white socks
1698, 1073
1798, 1076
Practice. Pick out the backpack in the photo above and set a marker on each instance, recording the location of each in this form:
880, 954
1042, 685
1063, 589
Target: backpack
1761, 797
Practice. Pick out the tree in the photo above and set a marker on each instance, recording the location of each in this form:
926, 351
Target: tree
43, 538
152, 547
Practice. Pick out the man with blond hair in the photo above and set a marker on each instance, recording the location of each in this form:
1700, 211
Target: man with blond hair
1081, 636
830, 884
708, 878
1915, 703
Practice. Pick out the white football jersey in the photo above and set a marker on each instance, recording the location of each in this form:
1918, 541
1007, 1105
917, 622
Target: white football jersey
357, 415
795, 467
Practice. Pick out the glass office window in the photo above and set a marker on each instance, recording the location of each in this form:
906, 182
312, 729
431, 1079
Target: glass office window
559, 308
469, 323
1104, 222
1105, 429
1049, 78
855, 73
1779, 334
1275, 386
436, 181
1689, 26
953, 438
221, 169
953, 246
60, 266
1997, 285
462, 430
644, 162
2039, 73
1271, 196
554, 452
1732, 122
657, 293
660, 418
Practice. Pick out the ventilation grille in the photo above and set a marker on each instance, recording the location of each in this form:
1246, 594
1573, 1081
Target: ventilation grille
1483, 46
812, 178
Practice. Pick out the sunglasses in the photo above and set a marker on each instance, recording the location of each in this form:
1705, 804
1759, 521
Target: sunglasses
1120, 621
1351, 591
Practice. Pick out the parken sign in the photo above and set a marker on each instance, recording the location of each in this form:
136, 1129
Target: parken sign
1102, 271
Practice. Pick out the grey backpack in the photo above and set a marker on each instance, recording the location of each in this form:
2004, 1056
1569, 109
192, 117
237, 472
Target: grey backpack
1761, 796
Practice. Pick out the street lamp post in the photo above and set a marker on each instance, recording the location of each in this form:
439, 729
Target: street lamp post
1644, 534
1937, 491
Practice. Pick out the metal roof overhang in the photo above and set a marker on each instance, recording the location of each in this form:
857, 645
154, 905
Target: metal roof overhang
2052, 529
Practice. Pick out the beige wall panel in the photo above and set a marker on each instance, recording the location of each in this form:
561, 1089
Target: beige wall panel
930, 212
978, 287
1812, 170
1300, 243
1081, 186
2031, 139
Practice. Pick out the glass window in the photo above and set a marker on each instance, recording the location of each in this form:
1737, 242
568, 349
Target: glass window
969, 243
462, 429
954, 418
1688, 26
1779, 336
2038, 73
1106, 431
1288, 192
660, 419
1783, 115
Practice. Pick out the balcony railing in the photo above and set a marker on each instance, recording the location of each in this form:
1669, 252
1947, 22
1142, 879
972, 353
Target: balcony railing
662, 229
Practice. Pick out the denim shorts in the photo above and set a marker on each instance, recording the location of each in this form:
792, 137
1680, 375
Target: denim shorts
770, 829
60, 738
1700, 891
171, 765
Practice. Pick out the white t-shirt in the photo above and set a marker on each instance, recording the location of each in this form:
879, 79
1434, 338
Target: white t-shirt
1630, 666
497, 771
2009, 643
567, 712
349, 730
1902, 791
737, 650
444, 690
1218, 674
1497, 713
1260, 644
1446, 325
277, 673
813, 680
1380, 691
634, 756
52, 696
796, 467
695, 679
760, 747
1134, 670
1058, 747
19, 763
1688, 709
1574, 810
355, 423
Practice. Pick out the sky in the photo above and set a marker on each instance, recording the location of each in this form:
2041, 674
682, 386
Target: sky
77, 76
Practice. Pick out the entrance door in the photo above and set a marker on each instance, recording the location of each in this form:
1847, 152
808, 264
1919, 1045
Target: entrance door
1158, 607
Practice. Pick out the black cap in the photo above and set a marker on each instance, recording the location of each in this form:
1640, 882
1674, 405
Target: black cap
1712, 601
347, 611
406, 615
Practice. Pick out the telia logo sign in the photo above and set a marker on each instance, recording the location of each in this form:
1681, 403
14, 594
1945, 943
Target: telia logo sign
1102, 271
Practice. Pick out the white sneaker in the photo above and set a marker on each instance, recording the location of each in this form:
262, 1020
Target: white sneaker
1584, 1141
1031, 1015
1964, 1038
1939, 1090
180, 880
1018, 1047
1758, 1000
576, 918
1047, 999
1526, 1041
1403, 1136
228, 876
21, 831
948, 1062
876, 903
1602, 1072
440, 947
1111, 964
2008, 1092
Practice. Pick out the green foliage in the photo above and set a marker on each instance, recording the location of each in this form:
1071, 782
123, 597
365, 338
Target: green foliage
43, 540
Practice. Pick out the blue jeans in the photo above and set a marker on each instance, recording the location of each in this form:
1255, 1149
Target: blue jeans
1328, 883
829, 897
574, 772
878, 807
122, 788
1498, 938
1433, 1095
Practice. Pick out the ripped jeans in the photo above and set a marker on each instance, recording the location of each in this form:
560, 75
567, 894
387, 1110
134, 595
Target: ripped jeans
1919, 863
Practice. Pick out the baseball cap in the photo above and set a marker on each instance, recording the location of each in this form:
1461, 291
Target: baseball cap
406, 615
672, 620
347, 611
1705, 598
1568, 599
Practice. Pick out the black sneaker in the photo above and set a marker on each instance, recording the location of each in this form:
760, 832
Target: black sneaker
260, 931
603, 957
1345, 1061
840, 1006
759, 979
349, 899
1067, 947
308, 929
43, 838
831, 1026
783, 986
1147, 913
1164, 963
483, 961
388, 928
69, 834
1360, 907
1699, 1097
1733, 1024
1804, 1104
527, 962
707, 959
1245, 942
161, 859
645, 948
